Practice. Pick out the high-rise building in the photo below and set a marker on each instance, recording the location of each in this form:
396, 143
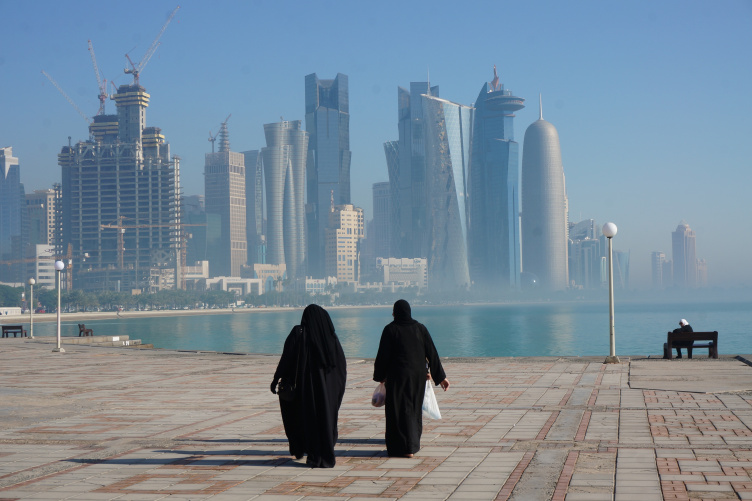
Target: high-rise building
224, 186
40, 209
544, 207
11, 217
381, 220
430, 199
194, 214
327, 118
494, 190
254, 206
284, 160
659, 267
684, 256
621, 269
702, 273
391, 150
343, 238
121, 199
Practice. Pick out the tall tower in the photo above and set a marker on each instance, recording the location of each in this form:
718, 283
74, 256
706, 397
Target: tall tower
684, 256
544, 207
494, 190
343, 237
284, 173
254, 206
328, 170
381, 220
224, 186
40, 210
121, 201
11, 216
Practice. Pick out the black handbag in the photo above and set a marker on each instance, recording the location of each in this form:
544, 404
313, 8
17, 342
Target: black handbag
286, 389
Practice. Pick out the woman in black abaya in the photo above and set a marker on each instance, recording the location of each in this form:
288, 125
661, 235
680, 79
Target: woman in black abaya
405, 348
310, 418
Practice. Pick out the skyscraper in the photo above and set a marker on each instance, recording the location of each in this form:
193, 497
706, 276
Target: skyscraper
657, 264
224, 187
284, 160
343, 238
121, 199
544, 207
684, 256
381, 220
427, 180
254, 206
11, 216
493, 187
328, 169
40, 209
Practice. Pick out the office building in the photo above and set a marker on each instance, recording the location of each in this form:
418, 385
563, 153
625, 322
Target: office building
391, 150
404, 272
621, 269
381, 219
344, 234
11, 218
659, 267
684, 256
224, 188
121, 199
254, 206
494, 190
284, 160
40, 213
327, 107
544, 207
702, 273
430, 199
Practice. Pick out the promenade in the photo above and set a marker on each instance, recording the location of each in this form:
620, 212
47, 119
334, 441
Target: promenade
116, 423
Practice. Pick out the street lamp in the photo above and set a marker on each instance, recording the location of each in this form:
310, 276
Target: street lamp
609, 231
31, 307
59, 266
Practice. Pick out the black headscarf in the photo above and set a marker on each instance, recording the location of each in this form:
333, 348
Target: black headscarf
402, 313
321, 337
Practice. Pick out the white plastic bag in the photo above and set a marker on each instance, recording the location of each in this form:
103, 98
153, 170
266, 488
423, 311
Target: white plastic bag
379, 396
430, 406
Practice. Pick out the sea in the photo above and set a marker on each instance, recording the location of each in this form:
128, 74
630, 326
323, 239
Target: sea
493, 330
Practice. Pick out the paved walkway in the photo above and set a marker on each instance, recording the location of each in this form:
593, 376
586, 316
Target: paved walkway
128, 424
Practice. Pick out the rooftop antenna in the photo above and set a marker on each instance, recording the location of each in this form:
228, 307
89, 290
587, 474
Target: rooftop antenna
428, 78
224, 135
540, 106
495, 81
332, 201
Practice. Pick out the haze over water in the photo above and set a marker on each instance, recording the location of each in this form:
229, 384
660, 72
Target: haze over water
517, 330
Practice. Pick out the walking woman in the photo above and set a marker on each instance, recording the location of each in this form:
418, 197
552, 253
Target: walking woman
405, 349
312, 371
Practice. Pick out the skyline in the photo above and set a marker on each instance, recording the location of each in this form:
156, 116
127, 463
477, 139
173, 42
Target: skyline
655, 92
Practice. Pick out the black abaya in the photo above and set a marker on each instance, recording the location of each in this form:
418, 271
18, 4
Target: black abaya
310, 419
404, 349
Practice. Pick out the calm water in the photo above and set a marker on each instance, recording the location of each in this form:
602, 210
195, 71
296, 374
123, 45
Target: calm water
575, 329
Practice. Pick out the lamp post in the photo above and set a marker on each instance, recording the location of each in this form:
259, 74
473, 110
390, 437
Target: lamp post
31, 307
609, 231
59, 266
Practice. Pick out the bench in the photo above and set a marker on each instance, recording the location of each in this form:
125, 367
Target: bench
83, 331
16, 330
710, 337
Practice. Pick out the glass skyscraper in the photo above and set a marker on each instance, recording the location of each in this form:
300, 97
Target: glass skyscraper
284, 173
11, 216
684, 256
494, 189
327, 119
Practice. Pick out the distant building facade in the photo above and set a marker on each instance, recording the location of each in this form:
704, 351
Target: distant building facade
327, 119
284, 160
684, 256
121, 199
254, 206
403, 271
544, 207
344, 235
494, 190
11, 218
40, 214
660, 270
224, 188
381, 219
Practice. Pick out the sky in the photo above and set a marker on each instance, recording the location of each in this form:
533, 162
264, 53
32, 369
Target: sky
651, 99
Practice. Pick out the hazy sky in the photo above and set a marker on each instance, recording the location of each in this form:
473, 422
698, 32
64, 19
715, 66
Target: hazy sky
651, 99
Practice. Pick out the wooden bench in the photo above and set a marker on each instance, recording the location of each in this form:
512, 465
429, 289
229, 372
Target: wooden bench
16, 330
83, 331
710, 337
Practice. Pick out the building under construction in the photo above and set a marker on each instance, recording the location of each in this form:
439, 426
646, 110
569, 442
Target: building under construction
121, 202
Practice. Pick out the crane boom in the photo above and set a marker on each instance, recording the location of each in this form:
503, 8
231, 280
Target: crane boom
100, 83
136, 69
53, 82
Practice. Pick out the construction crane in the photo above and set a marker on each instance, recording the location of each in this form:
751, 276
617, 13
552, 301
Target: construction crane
101, 82
222, 127
53, 82
136, 69
120, 227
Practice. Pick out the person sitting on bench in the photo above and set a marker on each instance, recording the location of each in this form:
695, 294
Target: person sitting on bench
683, 327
